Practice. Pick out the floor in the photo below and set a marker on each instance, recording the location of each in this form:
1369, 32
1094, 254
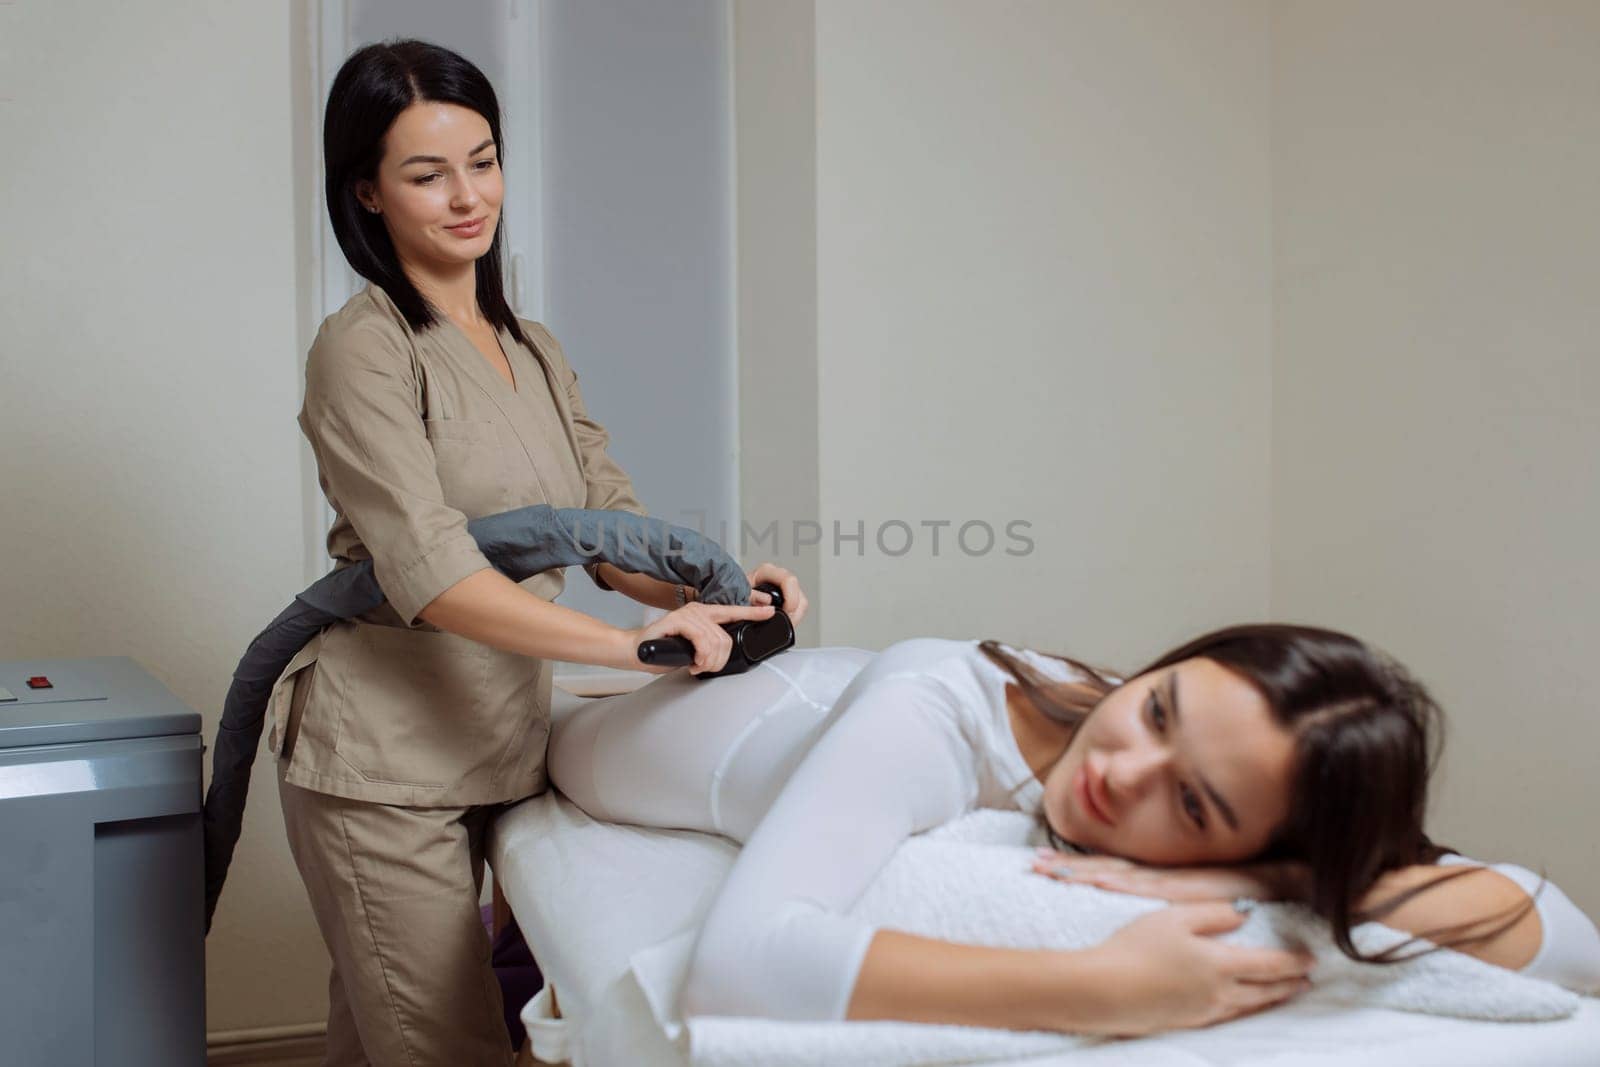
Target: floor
302, 1052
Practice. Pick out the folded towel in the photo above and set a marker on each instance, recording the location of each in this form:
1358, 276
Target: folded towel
971, 881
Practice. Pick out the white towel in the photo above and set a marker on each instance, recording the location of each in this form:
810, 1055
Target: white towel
971, 881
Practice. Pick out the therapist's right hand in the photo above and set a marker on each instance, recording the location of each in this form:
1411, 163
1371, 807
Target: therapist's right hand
702, 625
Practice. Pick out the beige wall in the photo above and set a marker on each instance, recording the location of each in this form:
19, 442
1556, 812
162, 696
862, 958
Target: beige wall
1436, 383
1044, 284
148, 340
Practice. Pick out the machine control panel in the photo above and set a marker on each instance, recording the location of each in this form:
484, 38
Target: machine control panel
63, 700
28, 687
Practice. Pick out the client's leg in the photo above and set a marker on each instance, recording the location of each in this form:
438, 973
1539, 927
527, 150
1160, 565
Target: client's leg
700, 755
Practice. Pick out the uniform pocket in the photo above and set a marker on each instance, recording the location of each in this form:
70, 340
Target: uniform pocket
413, 711
295, 677
470, 460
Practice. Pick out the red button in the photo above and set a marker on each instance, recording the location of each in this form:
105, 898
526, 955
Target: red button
39, 681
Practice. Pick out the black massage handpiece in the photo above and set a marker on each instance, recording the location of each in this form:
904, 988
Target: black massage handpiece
753, 641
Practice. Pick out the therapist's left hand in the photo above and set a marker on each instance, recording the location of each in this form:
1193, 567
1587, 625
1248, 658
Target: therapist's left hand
794, 601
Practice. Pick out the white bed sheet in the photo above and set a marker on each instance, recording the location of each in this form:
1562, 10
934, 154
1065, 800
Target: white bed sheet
588, 895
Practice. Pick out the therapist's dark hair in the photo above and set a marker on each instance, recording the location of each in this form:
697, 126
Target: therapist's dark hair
373, 86
1367, 738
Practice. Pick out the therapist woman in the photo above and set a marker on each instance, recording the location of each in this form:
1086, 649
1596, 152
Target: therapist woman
405, 731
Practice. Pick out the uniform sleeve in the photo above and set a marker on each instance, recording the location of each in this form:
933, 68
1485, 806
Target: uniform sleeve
777, 941
1569, 954
377, 467
608, 486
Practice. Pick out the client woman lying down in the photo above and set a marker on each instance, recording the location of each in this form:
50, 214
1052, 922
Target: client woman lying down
1268, 761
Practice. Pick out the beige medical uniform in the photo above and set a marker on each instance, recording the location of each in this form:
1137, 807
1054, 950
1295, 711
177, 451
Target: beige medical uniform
397, 742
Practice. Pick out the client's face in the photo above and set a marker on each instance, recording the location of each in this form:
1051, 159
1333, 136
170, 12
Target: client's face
1184, 765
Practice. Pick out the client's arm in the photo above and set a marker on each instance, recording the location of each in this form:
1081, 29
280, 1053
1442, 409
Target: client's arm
1553, 940
1160, 972
777, 941
1471, 902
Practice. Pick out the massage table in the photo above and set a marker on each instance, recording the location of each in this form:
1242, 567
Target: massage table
590, 895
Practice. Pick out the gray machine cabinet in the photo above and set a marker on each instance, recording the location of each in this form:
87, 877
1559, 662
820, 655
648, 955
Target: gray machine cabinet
102, 922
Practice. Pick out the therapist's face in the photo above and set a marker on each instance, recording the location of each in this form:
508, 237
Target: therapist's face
1148, 773
440, 168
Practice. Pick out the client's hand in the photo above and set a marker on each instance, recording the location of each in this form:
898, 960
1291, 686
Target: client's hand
1258, 881
1162, 972
794, 600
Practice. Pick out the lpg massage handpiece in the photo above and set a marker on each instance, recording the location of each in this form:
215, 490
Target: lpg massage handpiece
753, 641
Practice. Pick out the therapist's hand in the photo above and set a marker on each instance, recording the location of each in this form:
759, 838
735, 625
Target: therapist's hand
701, 624
794, 600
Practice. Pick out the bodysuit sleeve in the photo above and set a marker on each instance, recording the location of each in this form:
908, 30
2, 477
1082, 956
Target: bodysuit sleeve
777, 941
362, 418
1569, 953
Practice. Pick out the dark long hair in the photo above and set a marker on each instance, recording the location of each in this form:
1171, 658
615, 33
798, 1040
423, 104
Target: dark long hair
375, 84
1367, 736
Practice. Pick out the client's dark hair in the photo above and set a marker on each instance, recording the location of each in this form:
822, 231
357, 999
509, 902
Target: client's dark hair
373, 86
1367, 738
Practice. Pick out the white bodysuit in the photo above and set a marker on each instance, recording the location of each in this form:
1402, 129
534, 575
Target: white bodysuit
821, 762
